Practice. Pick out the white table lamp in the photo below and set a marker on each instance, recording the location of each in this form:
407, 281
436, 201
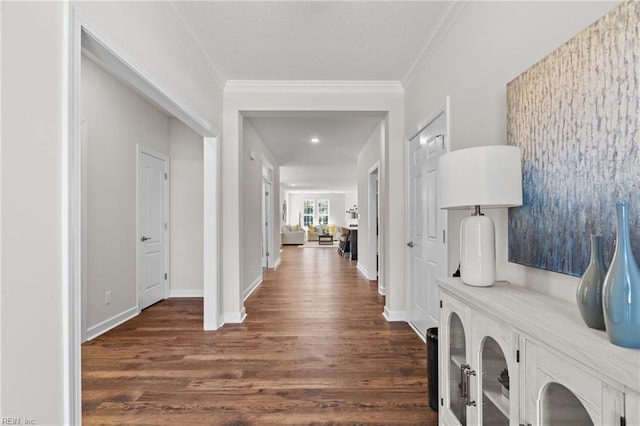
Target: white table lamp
485, 176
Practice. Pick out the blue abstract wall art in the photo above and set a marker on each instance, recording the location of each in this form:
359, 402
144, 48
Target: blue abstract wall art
576, 117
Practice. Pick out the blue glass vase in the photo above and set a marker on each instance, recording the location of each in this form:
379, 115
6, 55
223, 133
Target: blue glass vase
621, 289
589, 292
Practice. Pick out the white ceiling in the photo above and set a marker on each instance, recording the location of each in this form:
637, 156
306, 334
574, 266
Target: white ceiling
330, 164
309, 40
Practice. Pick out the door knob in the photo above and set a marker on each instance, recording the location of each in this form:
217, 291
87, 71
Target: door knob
410, 244
145, 238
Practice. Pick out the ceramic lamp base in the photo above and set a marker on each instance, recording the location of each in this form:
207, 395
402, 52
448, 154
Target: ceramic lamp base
477, 251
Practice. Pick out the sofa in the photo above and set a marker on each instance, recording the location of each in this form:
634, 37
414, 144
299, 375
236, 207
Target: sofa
314, 230
292, 234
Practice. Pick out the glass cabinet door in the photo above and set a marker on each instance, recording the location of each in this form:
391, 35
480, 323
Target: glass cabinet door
495, 384
560, 406
457, 365
568, 395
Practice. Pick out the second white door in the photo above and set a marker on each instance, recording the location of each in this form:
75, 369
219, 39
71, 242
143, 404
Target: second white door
427, 224
152, 227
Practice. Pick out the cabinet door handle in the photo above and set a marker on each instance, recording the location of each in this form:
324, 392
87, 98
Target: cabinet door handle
469, 373
463, 381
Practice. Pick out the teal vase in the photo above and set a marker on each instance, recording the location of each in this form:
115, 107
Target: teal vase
621, 289
589, 292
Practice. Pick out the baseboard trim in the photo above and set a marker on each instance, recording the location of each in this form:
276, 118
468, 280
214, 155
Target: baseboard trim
364, 272
252, 288
277, 263
186, 293
235, 317
382, 291
113, 322
423, 338
393, 316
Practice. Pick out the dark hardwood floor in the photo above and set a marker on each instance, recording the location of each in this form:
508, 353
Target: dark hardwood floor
314, 349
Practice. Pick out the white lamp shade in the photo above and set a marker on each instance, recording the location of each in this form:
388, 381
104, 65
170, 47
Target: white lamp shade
487, 176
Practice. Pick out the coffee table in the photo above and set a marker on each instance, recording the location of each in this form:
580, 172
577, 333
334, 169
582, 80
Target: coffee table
325, 239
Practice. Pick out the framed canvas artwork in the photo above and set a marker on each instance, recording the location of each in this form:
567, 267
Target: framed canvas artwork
576, 117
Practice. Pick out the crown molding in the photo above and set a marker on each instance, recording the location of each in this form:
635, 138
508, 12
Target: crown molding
313, 86
178, 22
445, 21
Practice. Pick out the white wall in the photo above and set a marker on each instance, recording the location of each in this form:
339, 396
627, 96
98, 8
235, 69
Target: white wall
367, 158
337, 206
149, 34
314, 97
490, 44
350, 200
32, 326
117, 120
34, 363
186, 151
252, 207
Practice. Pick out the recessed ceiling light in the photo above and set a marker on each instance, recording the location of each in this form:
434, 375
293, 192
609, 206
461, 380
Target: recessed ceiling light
315, 140
293, 184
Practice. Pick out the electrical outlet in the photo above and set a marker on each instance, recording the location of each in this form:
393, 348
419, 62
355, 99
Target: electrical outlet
107, 297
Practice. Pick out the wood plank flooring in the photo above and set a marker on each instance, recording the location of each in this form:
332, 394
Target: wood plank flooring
314, 349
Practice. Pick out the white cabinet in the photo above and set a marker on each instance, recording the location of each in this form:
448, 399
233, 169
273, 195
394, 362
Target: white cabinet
480, 360
560, 372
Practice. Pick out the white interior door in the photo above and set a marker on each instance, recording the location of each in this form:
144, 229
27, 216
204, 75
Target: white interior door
427, 224
152, 226
266, 223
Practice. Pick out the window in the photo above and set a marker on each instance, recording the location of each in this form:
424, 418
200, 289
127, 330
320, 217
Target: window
308, 212
323, 212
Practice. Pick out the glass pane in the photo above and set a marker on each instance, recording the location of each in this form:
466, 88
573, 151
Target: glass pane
308, 220
495, 384
323, 220
457, 358
561, 407
308, 207
323, 206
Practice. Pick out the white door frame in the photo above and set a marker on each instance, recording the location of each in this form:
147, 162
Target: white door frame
267, 212
81, 33
83, 218
213, 315
374, 214
265, 223
443, 108
142, 149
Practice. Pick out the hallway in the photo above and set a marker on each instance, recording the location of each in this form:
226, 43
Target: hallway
314, 349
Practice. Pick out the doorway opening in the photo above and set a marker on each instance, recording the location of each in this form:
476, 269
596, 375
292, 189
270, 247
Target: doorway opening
85, 38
